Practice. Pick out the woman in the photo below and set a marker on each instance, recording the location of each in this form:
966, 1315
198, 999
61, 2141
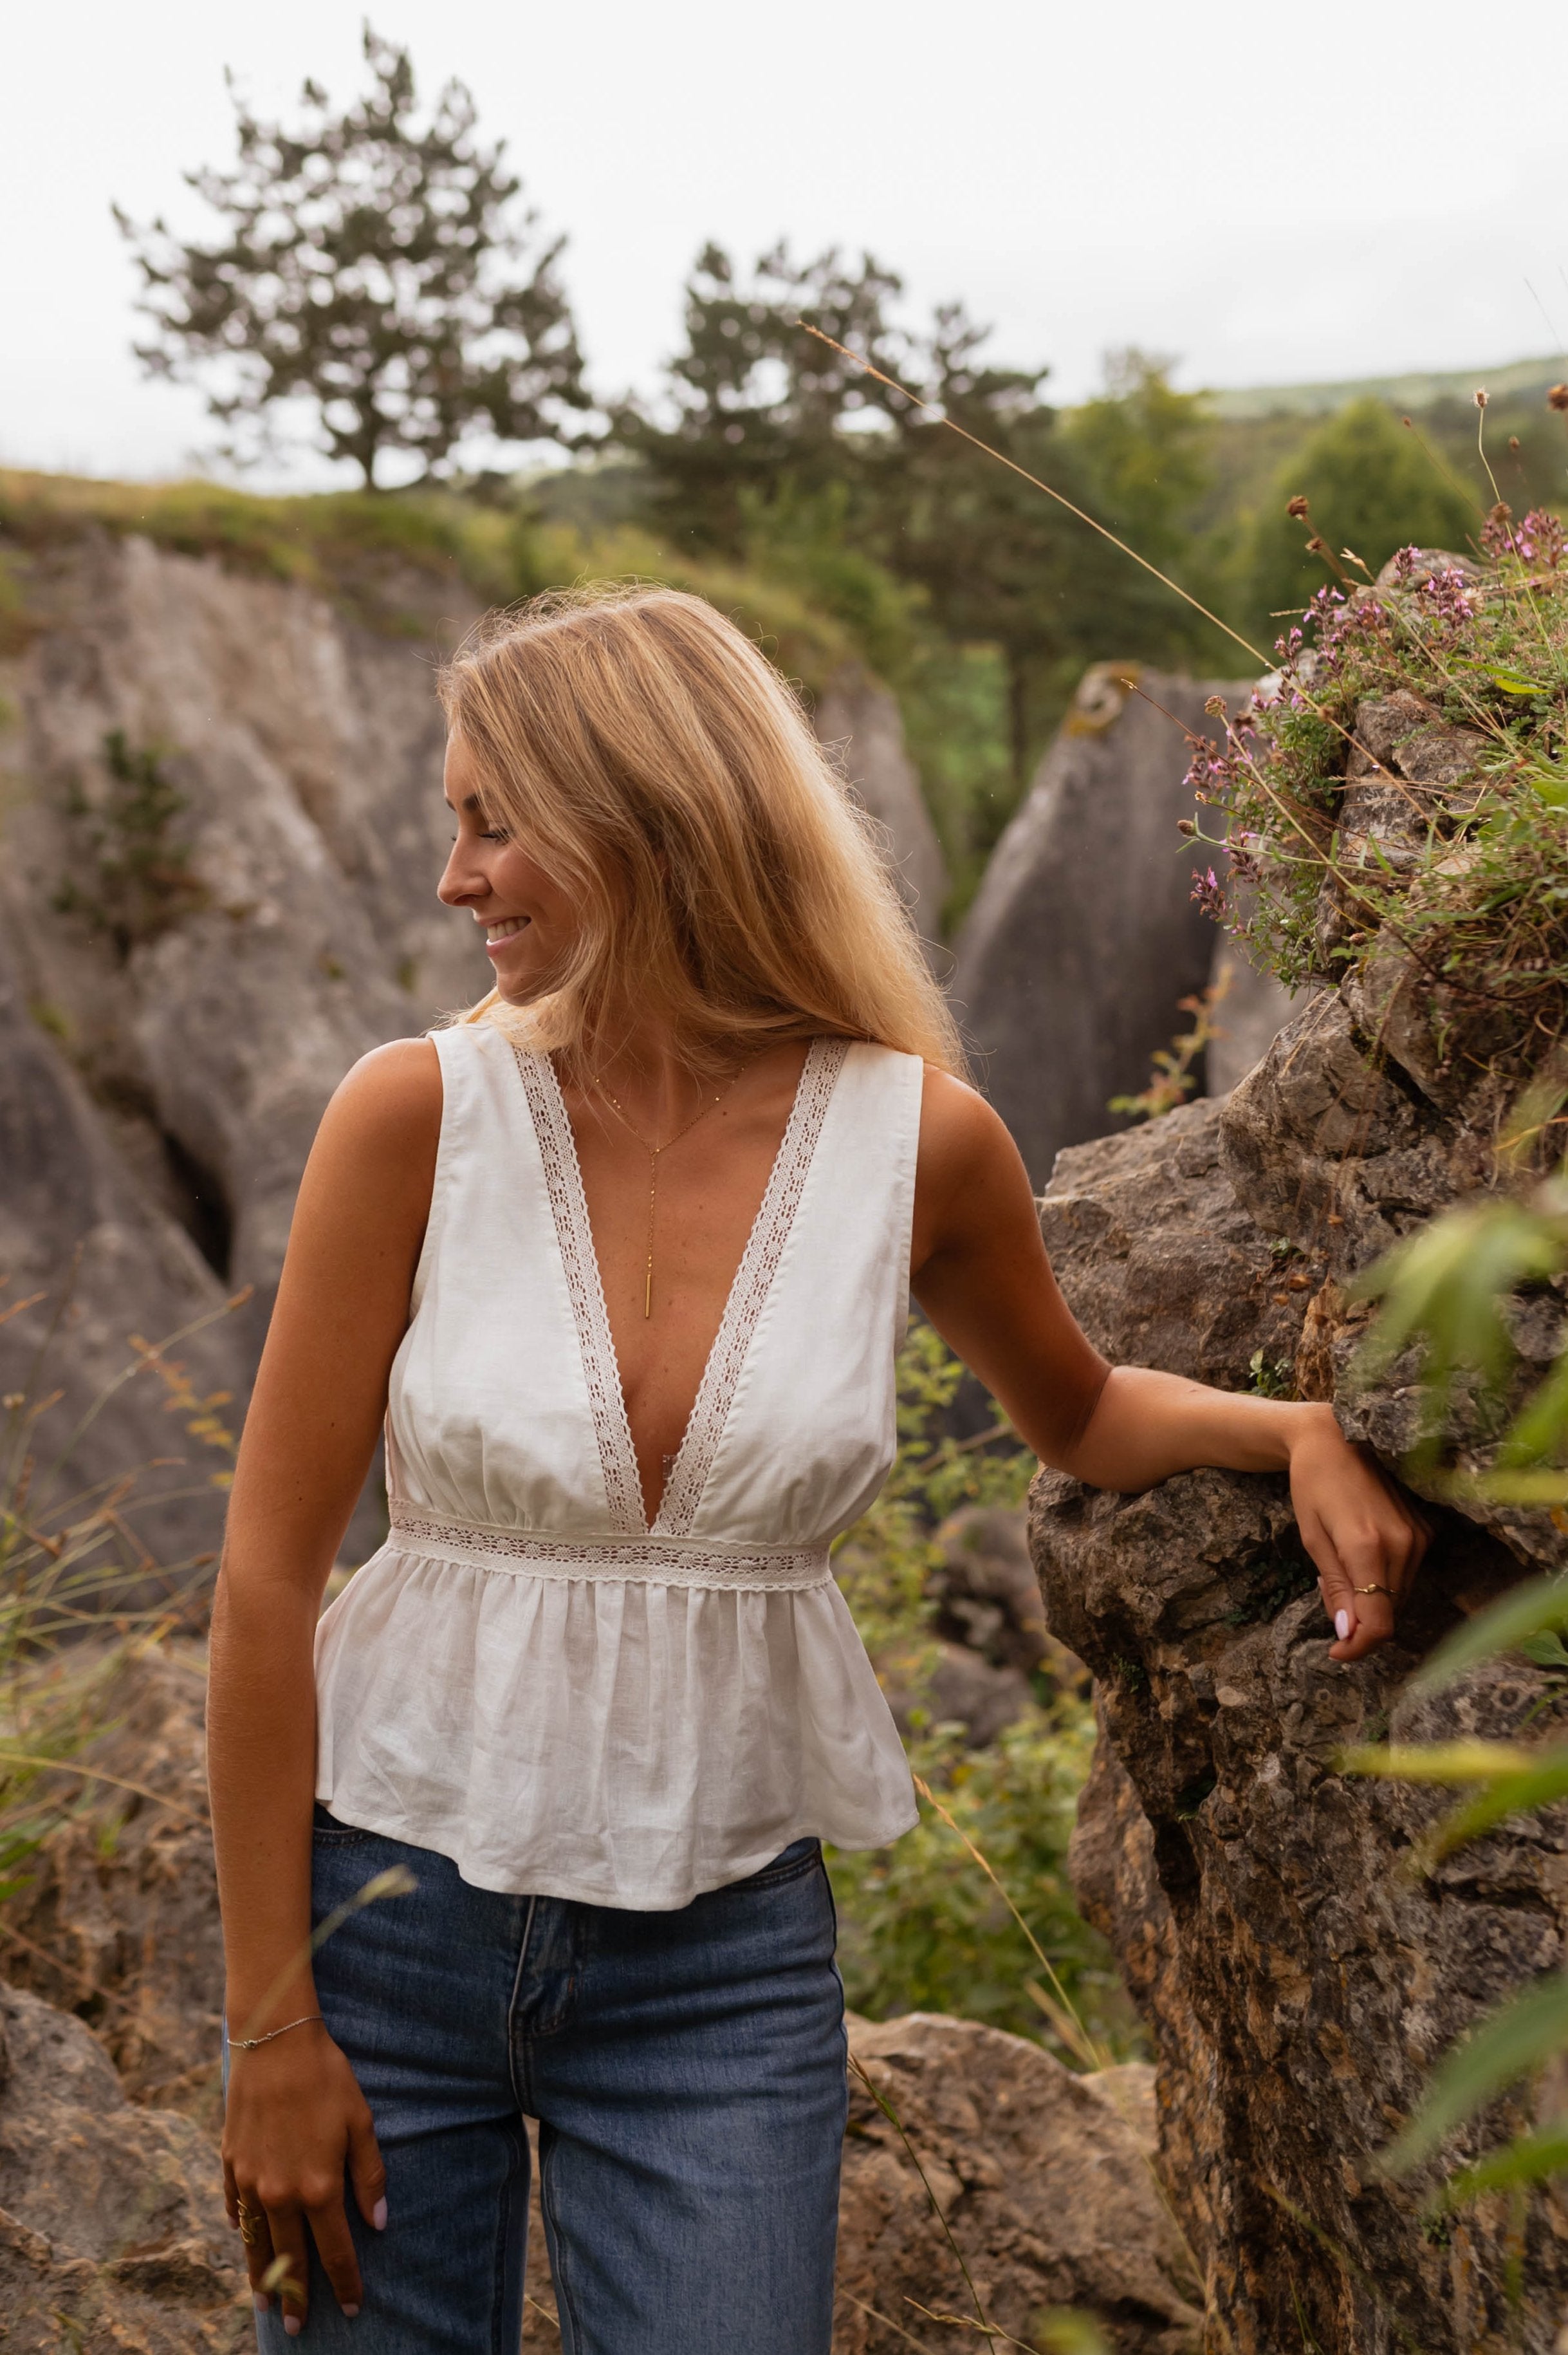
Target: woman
622, 1260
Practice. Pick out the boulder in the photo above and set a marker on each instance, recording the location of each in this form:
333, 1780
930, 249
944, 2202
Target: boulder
1045, 2181
1084, 938
117, 1916
112, 2232
859, 722
1250, 1010
1300, 1979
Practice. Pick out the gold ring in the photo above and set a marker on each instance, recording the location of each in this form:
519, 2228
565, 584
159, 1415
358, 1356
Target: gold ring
1374, 1588
249, 2220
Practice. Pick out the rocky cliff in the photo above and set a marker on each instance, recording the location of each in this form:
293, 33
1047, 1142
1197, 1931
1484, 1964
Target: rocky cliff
222, 827
1299, 1974
1072, 964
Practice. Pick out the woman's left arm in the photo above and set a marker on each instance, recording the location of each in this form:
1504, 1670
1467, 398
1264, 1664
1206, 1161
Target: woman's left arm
980, 1270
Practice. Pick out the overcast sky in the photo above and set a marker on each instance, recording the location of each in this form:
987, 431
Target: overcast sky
1267, 195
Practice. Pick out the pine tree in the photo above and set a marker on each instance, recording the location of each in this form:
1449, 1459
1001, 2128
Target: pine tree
373, 265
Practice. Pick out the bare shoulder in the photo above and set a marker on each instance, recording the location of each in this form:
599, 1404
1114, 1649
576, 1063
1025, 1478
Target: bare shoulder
391, 1099
960, 1134
968, 1179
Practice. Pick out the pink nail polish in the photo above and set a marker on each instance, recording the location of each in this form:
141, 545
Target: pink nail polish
1341, 1624
262, 2303
349, 2312
292, 2325
378, 2215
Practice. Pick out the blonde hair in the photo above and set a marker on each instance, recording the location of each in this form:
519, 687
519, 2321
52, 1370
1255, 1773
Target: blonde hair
659, 768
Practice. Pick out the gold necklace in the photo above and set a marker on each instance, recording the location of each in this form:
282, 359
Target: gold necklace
653, 1152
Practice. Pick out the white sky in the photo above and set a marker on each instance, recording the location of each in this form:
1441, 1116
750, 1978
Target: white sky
1270, 195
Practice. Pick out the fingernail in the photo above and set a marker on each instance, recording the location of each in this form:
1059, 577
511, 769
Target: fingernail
292, 2325
263, 2304
1341, 1624
378, 2215
351, 2311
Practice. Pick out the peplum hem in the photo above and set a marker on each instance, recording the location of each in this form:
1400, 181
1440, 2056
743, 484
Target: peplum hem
628, 1740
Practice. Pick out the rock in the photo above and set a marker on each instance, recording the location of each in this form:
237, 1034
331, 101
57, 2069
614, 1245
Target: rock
208, 983
1158, 1260
117, 1919
1084, 938
1300, 1979
1044, 2178
860, 723
986, 1592
112, 2232
100, 1259
1250, 1010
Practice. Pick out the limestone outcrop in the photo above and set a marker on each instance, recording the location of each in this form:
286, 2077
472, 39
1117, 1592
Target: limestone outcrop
113, 2233
1084, 938
1299, 1975
860, 724
1044, 2179
222, 827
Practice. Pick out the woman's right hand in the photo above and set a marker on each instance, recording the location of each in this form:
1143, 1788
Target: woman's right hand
296, 2123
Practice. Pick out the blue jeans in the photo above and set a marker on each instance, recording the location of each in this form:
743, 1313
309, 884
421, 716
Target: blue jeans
687, 2071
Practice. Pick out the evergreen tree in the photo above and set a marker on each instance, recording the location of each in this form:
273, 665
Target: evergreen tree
373, 265
759, 406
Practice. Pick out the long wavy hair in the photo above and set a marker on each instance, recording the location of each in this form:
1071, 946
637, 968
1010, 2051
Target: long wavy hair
660, 769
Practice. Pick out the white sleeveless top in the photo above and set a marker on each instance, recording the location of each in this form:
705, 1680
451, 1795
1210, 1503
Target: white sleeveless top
527, 1678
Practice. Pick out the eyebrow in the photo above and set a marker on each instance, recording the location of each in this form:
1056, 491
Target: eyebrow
470, 802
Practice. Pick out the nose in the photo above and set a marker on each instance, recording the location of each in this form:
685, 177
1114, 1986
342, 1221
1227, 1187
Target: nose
464, 879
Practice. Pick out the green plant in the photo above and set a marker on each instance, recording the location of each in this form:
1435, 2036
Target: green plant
1453, 881
142, 884
1173, 1078
926, 1924
70, 1568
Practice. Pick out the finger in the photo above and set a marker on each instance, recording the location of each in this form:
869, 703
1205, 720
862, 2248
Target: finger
292, 2253
335, 2246
1360, 1622
1371, 1599
257, 2247
230, 2197
366, 2172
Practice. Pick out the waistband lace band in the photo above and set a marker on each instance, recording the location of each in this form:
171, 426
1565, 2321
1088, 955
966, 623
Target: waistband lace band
652, 1562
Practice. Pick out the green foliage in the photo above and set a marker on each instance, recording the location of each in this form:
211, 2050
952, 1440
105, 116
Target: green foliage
1147, 451
1371, 488
141, 880
370, 267
1173, 1077
921, 1928
767, 421
921, 1924
1473, 887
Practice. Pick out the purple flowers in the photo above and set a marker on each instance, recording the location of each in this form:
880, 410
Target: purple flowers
1448, 600
1210, 893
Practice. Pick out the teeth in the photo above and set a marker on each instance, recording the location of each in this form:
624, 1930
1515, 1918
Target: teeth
505, 929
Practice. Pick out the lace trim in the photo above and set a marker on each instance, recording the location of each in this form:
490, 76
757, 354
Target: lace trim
647, 1562
743, 1309
568, 1208
753, 1282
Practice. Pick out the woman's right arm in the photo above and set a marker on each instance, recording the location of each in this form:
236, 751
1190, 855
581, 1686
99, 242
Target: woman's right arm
294, 2115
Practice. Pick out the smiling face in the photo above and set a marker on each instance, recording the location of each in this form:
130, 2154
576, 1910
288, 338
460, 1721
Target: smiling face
530, 922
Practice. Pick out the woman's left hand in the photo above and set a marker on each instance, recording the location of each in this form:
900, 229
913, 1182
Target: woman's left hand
1364, 1537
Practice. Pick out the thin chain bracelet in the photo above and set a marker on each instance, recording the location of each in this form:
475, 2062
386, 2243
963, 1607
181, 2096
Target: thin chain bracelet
250, 2043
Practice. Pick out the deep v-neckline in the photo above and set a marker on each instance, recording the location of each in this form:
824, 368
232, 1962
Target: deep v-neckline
744, 1302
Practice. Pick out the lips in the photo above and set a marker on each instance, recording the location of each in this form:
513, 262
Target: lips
500, 936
